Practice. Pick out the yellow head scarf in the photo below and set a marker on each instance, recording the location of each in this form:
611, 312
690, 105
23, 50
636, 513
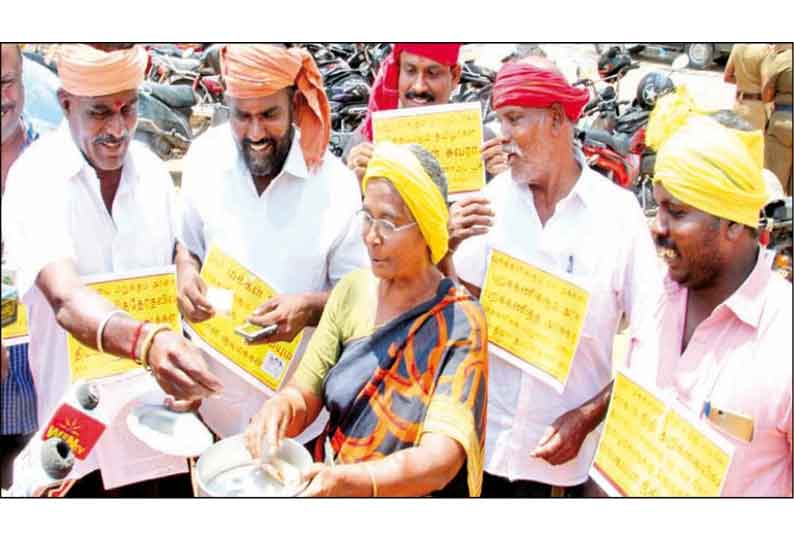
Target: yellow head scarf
398, 165
705, 165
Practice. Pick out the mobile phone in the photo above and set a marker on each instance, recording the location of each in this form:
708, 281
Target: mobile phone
733, 423
252, 332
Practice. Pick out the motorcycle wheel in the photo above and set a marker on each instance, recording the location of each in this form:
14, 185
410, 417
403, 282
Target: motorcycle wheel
701, 55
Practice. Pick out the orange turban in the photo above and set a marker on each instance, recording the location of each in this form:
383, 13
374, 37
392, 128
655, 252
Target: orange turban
256, 70
86, 71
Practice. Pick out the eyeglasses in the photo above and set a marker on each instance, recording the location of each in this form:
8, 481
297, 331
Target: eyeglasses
384, 228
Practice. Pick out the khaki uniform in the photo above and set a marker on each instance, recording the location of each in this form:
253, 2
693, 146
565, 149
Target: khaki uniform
778, 154
747, 59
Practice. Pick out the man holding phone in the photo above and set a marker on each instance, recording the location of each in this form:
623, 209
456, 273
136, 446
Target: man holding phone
265, 189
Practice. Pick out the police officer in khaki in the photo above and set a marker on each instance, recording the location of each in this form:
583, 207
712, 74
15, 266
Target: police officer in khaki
776, 85
744, 69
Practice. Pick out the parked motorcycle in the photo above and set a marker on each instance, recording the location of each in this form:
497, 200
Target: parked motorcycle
171, 116
164, 118
476, 85
620, 153
776, 235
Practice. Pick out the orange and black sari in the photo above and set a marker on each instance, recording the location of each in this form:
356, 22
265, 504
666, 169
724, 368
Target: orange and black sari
425, 371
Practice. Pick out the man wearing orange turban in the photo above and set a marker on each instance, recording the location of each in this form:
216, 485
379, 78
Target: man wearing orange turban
265, 190
554, 212
84, 200
416, 75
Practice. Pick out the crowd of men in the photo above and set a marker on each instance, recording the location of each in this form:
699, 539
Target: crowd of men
87, 199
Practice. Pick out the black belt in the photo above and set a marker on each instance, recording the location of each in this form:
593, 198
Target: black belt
747, 96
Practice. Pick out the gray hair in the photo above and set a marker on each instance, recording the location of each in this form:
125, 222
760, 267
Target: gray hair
431, 166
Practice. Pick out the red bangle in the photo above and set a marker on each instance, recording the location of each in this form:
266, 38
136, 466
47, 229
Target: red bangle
136, 338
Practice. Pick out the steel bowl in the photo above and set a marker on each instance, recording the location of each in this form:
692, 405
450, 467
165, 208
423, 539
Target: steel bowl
227, 469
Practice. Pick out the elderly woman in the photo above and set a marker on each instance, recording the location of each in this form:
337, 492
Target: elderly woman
399, 358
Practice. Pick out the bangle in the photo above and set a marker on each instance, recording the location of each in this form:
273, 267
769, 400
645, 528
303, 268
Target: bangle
147, 344
371, 479
101, 329
135, 338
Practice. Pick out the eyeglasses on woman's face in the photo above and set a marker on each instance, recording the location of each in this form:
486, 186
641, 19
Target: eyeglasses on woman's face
384, 228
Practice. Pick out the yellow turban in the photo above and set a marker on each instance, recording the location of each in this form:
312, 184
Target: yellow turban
705, 165
86, 71
398, 165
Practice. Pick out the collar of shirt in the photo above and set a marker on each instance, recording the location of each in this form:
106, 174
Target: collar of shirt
294, 165
582, 192
747, 302
73, 163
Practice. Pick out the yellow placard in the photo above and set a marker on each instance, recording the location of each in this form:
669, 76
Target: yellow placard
533, 315
648, 449
268, 363
453, 133
18, 329
145, 297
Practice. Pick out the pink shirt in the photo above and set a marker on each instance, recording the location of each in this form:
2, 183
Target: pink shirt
740, 359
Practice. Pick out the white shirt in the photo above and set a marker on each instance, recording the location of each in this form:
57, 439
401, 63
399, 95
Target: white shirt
300, 235
600, 228
53, 211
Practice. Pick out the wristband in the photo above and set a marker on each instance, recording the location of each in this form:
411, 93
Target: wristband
135, 338
101, 329
147, 345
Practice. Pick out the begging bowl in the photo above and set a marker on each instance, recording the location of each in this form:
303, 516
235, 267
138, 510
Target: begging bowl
227, 469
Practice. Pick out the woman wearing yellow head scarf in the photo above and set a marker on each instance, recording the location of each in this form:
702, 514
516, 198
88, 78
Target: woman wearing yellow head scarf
400, 356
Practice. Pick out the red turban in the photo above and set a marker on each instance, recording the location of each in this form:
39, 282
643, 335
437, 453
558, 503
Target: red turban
256, 70
525, 85
385, 94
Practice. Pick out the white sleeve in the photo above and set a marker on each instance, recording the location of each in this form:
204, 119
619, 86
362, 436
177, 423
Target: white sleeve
190, 225
639, 279
348, 253
36, 225
471, 260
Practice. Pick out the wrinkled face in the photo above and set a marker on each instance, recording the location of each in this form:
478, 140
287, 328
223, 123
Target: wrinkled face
425, 82
531, 145
689, 240
262, 128
402, 254
13, 94
102, 126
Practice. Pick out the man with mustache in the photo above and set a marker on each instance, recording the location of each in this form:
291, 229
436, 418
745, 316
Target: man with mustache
552, 211
720, 338
265, 190
86, 200
417, 75
17, 394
